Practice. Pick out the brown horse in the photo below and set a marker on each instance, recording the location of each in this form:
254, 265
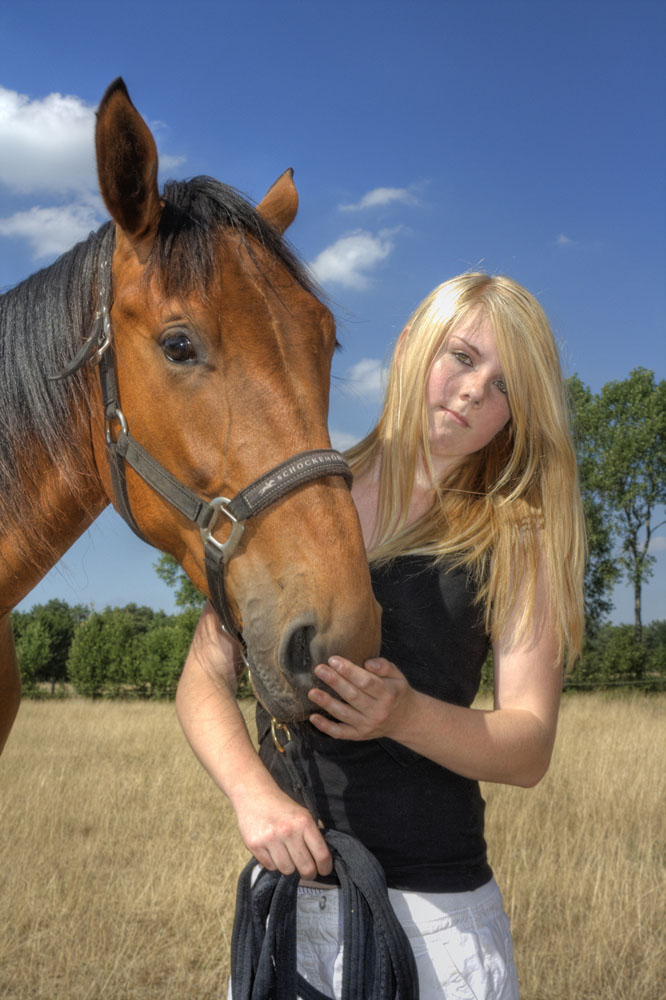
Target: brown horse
219, 352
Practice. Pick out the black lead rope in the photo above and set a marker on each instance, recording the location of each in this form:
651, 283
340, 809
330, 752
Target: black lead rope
378, 962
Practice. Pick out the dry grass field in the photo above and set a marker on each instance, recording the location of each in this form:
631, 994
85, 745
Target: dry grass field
118, 858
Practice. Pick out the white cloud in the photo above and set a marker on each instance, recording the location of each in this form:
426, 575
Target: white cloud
348, 261
563, 241
169, 162
47, 144
341, 440
657, 544
367, 378
381, 196
50, 231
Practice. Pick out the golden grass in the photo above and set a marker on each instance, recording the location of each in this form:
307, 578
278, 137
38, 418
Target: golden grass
118, 858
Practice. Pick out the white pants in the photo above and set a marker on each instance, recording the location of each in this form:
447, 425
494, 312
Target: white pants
461, 942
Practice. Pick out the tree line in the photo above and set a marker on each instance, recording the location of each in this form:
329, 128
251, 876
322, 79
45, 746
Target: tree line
129, 652
620, 437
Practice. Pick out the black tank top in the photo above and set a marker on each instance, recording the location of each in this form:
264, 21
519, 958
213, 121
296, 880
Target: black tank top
423, 822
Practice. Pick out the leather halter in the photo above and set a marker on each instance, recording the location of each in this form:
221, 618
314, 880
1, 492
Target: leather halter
122, 448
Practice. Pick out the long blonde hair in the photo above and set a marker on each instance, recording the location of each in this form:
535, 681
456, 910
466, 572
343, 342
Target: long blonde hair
514, 502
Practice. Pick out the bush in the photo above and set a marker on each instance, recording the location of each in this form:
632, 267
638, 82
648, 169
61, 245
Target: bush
163, 650
33, 651
613, 657
43, 638
130, 652
88, 663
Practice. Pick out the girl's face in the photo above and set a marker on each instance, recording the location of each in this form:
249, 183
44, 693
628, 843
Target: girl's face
466, 395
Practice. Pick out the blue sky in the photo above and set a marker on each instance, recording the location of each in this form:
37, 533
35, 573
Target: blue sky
426, 138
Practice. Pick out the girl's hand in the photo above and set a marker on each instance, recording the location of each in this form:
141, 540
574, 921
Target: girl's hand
282, 835
375, 699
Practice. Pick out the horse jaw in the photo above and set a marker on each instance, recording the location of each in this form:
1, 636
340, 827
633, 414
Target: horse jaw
297, 612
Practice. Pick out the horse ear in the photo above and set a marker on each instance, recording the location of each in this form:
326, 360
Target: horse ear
127, 165
280, 203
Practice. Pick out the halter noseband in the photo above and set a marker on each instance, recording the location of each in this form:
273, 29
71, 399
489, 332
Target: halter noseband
123, 448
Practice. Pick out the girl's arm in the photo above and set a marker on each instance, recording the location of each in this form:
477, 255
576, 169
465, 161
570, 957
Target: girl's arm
280, 834
512, 743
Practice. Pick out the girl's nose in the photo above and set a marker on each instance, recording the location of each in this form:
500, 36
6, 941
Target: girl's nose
473, 390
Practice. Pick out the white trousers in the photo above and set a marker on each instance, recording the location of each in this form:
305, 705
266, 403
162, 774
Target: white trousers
461, 942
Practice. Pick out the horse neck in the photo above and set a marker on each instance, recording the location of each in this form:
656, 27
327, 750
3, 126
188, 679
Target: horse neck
58, 511
51, 490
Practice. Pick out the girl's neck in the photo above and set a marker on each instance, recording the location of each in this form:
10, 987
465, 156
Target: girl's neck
365, 493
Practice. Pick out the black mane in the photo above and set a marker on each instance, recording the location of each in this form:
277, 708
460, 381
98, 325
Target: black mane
183, 255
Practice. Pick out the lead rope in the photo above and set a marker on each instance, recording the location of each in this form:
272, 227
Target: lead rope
378, 962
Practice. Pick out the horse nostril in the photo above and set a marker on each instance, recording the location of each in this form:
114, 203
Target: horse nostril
298, 656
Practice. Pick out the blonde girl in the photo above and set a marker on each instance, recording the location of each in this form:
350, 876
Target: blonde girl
467, 496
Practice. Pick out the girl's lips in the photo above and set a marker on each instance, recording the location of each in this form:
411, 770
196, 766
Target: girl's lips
458, 417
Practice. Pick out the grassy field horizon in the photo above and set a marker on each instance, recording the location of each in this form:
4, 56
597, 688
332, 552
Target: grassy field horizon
119, 858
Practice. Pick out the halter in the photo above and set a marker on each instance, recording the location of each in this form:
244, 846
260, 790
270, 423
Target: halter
122, 448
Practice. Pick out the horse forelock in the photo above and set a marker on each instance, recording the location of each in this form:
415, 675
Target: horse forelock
184, 257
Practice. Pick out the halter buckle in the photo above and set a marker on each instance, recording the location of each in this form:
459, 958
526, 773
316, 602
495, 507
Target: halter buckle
280, 727
219, 504
114, 414
104, 339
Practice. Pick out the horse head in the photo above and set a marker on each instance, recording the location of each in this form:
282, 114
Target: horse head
223, 355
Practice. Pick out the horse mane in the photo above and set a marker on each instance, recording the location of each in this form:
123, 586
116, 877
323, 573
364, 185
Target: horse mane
45, 318
183, 255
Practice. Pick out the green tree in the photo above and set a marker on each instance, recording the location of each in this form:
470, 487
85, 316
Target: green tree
655, 644
88, 661
163, 650
60, 621
33, 651
187, 595
618, 656
120, 633
130, 652
192, 601
19, 620
601, 571
621, 438
104, 658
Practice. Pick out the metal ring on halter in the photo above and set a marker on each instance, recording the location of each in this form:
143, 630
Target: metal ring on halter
241, 646
105, 336
237, 528
117, 414
283, 728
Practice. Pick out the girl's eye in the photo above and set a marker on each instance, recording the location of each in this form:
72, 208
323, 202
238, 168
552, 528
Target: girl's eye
462, 357
178, 347
501, 385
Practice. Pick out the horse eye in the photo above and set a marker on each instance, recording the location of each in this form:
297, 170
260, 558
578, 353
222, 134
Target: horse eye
178, 347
